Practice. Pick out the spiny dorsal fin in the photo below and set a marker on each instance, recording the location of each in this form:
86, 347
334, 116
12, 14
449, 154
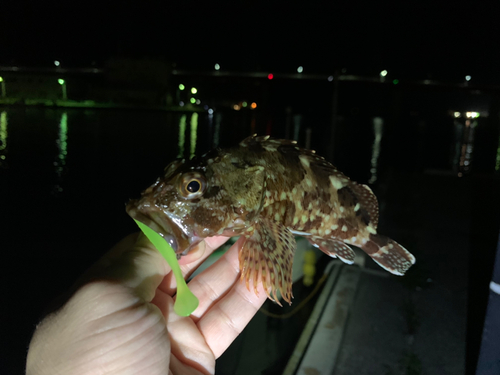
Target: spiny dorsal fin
367, 200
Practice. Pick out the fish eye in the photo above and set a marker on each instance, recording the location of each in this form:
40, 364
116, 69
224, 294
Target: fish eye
192, 185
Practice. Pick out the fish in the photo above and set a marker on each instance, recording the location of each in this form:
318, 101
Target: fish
267, 190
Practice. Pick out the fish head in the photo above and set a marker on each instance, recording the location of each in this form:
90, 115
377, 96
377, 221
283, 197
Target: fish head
199, 198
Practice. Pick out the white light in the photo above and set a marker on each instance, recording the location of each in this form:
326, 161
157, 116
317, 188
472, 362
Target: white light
383, 73
467, 78
210, 111
456, 114
57, 63
181, 104
472, 114
198, 101
330, 78
300, 69
217, 66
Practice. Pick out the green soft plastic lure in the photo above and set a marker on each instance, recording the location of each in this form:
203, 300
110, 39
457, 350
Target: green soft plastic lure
185, 302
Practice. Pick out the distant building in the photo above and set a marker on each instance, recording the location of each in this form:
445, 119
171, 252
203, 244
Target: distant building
142, 82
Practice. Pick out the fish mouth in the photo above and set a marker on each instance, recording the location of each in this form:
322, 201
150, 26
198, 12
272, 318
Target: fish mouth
155, 219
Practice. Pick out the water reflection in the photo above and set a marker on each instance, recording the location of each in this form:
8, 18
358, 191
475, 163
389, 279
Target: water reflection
62, 145
193, 135
253, 124
497, 163
378, 127
3, 139
182, 135
210, 119
218, 120
194, 132
464, 145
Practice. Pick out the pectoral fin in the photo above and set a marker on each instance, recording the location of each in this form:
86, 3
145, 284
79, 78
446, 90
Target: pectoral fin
267, 256
334, 248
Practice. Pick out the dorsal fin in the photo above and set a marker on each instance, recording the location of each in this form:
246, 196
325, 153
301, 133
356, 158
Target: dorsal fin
367, 200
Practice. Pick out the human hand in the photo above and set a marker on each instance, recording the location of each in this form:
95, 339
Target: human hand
121, 320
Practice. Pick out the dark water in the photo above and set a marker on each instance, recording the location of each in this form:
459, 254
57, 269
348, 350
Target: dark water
65, 176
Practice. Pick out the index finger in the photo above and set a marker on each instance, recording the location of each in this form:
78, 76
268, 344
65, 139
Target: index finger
227, 318
201, 253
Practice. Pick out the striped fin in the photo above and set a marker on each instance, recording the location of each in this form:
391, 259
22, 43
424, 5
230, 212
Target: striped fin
388, 254
367, 201
267, 256
334, 248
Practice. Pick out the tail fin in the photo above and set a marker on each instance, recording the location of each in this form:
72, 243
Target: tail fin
388, 254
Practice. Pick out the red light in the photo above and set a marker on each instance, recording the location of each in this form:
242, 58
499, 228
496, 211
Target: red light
270, 76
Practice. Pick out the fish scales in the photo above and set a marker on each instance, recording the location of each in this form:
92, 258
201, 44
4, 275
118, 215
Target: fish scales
267, 190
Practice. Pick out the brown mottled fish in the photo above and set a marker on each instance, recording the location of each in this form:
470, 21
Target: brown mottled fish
267, 190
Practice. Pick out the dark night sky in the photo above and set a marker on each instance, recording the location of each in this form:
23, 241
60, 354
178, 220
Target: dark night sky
413, 38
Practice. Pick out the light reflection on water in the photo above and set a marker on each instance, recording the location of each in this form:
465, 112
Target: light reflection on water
218, 120
497, 162
193, 135
62, 145
378, 127
182, 135
3, 139
194, 132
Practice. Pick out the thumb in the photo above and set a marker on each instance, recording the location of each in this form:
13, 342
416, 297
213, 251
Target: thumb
135, 263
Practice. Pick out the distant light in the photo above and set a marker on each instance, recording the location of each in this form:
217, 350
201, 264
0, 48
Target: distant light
57, 63
396, 81
181, 104
472, 114
344, 70
210, 111
236, 107
192, 100
253, 105
193, 90
60, 81
217, 66
205, 107
198, 101
456, 114
383, 73
244, 104
330, 78
300, 69
181, 87
1, 79
467, 78
270, 76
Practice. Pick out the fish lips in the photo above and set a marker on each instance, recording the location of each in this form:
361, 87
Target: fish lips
157, 220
